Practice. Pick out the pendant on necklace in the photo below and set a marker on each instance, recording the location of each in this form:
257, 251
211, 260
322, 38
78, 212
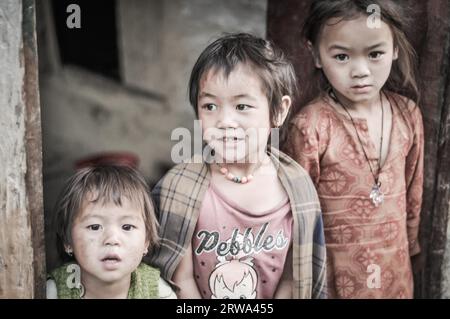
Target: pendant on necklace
376, 195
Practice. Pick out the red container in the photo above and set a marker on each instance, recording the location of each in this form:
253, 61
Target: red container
109, 158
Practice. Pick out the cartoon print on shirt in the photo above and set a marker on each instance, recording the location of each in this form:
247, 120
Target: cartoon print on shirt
235, 279
235, 276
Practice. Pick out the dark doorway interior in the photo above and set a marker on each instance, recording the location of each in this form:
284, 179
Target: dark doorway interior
94, 45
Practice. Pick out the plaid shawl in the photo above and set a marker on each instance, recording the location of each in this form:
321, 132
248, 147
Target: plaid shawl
178, 197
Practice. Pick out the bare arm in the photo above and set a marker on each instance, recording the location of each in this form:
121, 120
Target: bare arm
284, 289
184, 277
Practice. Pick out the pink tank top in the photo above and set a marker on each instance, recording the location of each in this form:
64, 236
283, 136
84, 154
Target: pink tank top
238, 254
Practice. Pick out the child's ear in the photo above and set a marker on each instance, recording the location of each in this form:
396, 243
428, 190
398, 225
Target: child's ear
395, 56
315, 55
147, 243
285, 106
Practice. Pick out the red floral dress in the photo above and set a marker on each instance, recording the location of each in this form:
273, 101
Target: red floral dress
368, 247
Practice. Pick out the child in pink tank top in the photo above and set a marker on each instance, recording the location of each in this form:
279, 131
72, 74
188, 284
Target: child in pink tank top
239, 253
246, 222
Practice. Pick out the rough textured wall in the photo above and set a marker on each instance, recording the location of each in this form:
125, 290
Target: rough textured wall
443, 191
16, 253
161, 40
139, 25
445, 288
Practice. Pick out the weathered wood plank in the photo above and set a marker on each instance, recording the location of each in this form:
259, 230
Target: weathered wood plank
33, 147
433, 55
20, 186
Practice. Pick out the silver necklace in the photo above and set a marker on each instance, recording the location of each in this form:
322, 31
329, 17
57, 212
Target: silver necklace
376, 195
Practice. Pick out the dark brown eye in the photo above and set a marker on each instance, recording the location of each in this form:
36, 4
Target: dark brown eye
128, 227
242, 107
210, 107
341, 57
376, 55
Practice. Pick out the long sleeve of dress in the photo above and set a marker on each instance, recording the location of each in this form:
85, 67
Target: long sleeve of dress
414, 181
306, 143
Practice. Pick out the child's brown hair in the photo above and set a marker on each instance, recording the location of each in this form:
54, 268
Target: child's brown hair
275, 71
102, 184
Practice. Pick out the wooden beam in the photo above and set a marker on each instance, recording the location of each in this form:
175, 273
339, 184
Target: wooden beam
433, 71
33, 146
22, 268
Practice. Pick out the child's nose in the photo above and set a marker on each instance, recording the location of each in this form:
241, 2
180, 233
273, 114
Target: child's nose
227, 118
360, 69
111, 238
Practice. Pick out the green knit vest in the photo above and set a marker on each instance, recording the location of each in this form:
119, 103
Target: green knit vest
144, 283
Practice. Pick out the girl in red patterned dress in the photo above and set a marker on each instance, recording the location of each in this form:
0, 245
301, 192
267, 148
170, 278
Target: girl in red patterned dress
361, 141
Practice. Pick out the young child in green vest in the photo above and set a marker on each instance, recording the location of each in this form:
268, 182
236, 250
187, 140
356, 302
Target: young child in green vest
105, 224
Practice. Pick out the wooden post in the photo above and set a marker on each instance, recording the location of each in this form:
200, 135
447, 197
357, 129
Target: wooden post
22, 253
433, 71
